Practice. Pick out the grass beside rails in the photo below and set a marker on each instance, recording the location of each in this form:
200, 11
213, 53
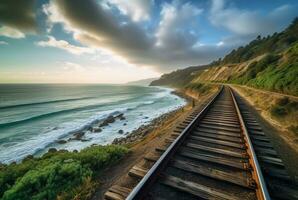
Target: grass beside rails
200, 88
58, 174
283, 108
276, 108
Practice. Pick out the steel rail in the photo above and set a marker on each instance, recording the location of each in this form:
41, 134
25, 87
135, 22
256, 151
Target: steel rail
146, 182
140, 190
261, 190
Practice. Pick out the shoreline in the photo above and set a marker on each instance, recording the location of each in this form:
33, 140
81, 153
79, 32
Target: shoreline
130, 137
138, 143
140, 133
146, 145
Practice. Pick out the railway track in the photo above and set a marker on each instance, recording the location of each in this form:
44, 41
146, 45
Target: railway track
214, 157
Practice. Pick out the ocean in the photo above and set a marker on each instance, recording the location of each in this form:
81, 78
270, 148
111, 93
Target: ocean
36, 117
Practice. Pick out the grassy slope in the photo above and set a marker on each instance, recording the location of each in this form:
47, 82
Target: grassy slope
57, 174
250, 65
275, 72
269, 64
179, 78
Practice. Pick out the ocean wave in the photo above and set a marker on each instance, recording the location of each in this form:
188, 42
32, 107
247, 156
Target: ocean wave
44, 102
46, 115
41, 142
42, 116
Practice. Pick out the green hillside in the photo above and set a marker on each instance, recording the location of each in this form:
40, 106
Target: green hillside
275, 43
274, 72
269, 63
179, 78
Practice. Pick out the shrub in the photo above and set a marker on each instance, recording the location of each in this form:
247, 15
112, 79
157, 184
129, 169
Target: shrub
283, 101
273, 72
278, 111
57, 172
283, 107
294, 129
199, 87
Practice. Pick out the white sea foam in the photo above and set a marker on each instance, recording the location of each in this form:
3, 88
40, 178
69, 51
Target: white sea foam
159, 103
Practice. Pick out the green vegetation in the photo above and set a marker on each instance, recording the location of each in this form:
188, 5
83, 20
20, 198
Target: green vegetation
276, 43
283, 107
62, 174
277, 71
179, 78
201, 88
274, 72
255, 67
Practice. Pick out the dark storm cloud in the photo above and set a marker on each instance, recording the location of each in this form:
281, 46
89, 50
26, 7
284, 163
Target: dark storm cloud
169, 47
175, 41
92, 18
18, 14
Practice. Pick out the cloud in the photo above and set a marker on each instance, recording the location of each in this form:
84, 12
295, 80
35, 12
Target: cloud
18, 14
3, 43
138, 10
174, 42
172, 32
11, 32
171, 45
62, 44
70, 67
245, 22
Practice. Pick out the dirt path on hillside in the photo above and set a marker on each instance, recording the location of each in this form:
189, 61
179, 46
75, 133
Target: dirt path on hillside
266, 92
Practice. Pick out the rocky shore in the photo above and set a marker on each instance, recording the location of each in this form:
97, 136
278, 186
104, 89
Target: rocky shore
144, 130
130, 137
94, 128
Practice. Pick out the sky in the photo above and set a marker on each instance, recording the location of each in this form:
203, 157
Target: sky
116, 41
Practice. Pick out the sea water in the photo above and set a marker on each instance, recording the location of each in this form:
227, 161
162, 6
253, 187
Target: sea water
34, 117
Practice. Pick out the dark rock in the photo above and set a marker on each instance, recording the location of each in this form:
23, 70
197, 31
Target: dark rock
78, 136
120, 115
110, 119
146, 132
96, 129
121, 131
61, 141
107, 121
124, 124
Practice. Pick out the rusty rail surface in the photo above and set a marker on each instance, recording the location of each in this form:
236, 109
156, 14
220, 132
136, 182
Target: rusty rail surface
218, 152
229, 107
